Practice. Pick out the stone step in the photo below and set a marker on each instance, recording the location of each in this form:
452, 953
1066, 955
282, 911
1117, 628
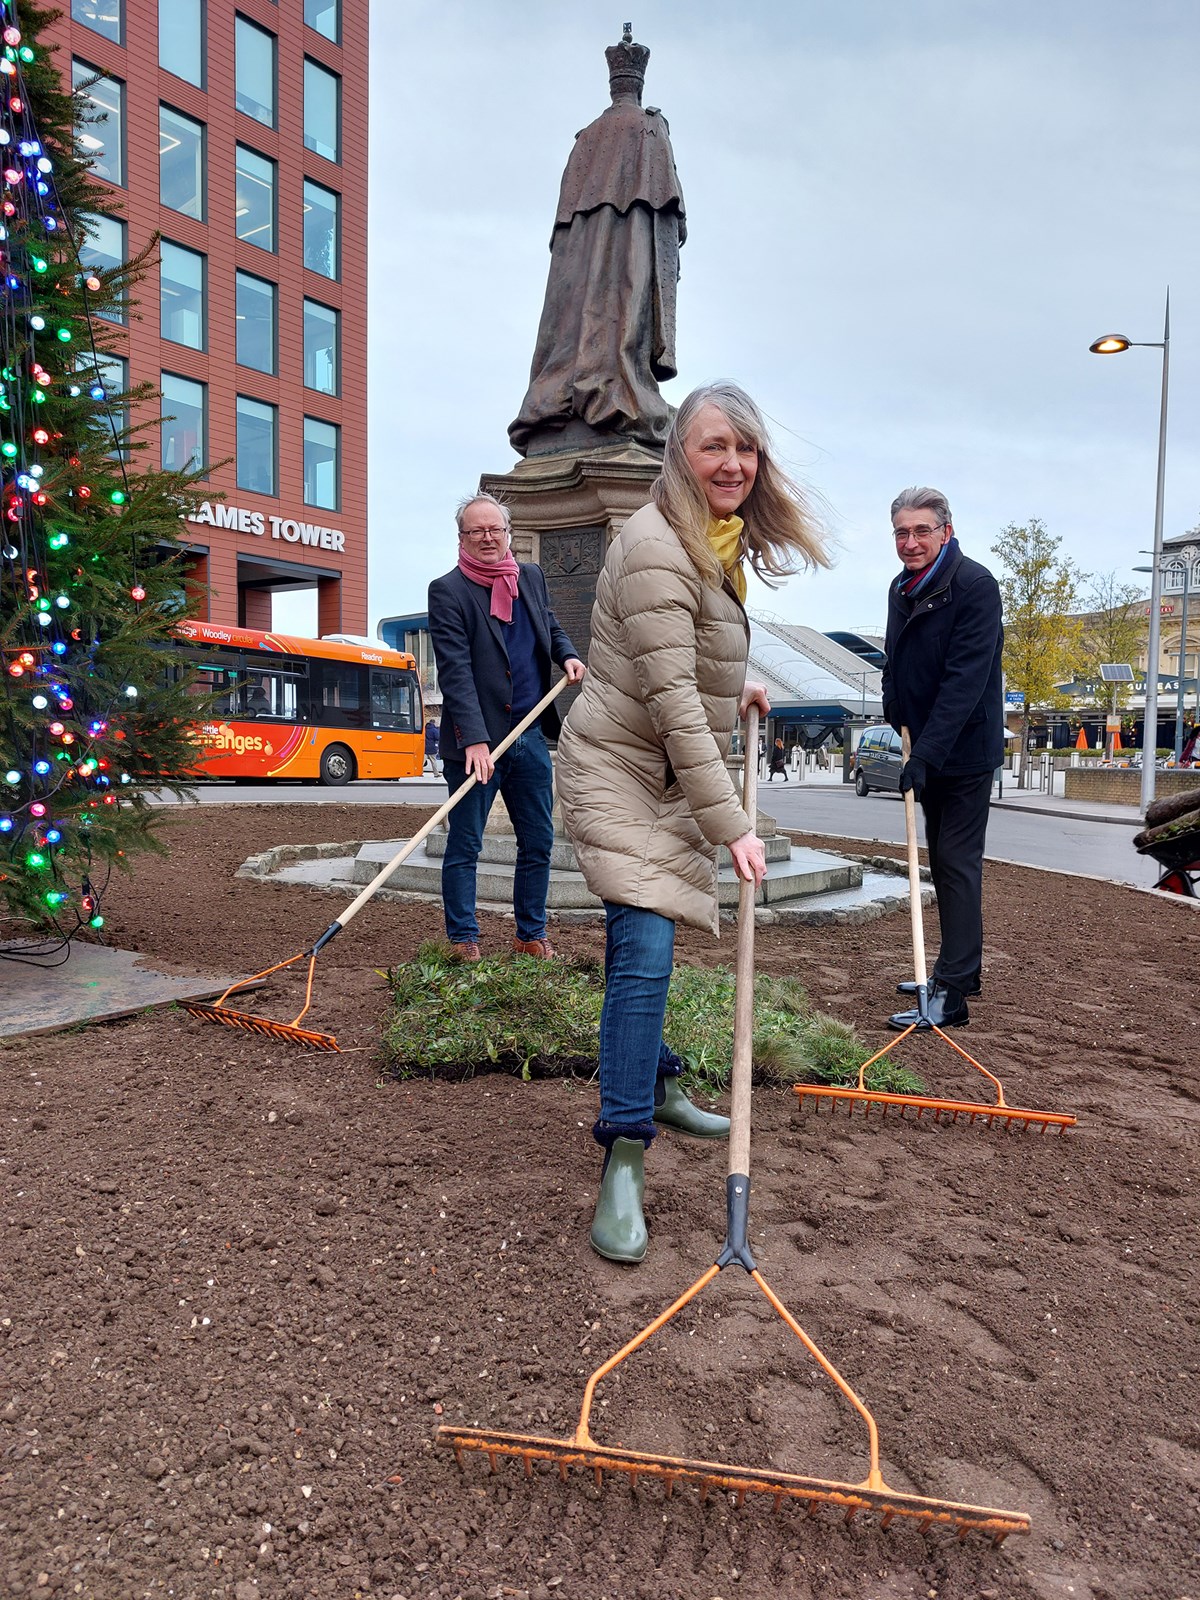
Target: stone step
500, 849
804, 872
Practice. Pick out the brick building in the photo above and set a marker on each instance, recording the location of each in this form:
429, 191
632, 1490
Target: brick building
238, 130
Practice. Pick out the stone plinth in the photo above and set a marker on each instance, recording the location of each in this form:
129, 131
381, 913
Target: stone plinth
566, 509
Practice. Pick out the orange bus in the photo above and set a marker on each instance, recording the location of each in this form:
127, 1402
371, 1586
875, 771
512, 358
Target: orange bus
317, 709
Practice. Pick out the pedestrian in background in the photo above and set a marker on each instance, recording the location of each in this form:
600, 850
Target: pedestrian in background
778, 761
433, 739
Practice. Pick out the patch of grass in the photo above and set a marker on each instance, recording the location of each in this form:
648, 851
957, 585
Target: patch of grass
542, 1019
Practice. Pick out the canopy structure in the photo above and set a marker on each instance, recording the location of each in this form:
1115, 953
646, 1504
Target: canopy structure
810, 677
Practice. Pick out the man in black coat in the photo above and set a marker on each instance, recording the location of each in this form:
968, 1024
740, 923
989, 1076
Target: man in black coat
942, 681
494, 638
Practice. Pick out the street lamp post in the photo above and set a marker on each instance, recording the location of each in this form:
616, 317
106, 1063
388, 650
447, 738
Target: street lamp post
1114, 344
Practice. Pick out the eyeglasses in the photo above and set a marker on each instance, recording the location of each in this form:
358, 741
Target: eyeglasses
921, 532
482, 533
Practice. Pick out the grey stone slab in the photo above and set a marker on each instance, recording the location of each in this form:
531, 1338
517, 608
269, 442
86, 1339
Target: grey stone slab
95, 984
501, 850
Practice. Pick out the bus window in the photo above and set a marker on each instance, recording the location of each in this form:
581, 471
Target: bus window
394, 700
272, 691
340, 703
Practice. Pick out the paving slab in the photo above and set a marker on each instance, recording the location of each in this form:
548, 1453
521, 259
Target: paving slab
95, 984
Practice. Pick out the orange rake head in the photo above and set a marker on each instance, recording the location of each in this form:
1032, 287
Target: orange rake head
872, 1494
218, 1011
992, 1112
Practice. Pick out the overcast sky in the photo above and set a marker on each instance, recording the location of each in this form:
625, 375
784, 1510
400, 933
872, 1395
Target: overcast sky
907, 220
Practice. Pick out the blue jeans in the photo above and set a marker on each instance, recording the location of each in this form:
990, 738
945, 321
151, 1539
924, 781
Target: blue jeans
525, 777
639, 951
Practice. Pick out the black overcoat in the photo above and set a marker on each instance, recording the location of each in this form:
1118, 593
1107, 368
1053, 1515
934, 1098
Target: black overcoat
943, 679
472, 657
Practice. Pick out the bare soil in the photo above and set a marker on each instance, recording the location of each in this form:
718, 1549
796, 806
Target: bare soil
241, 1283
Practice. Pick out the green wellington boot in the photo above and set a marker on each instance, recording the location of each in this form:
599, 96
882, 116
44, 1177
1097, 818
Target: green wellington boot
676, 1111
618, 1228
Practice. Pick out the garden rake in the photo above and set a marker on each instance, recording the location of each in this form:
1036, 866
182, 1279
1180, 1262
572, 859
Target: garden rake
991, 1111
582, 1450
218, 1011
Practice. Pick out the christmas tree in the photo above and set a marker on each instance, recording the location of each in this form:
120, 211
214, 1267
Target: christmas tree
92, 716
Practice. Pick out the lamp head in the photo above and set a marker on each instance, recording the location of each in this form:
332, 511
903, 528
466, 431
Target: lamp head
1110, 345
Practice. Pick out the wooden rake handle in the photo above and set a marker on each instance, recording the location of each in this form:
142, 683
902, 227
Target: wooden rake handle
737, 1183
427, 828
915, 912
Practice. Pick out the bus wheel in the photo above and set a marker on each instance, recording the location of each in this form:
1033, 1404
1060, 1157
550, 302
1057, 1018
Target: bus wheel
337, 765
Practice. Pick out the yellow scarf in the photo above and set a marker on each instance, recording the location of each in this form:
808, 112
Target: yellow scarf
725, 537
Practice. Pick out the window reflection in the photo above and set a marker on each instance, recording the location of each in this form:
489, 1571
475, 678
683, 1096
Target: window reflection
185, 423
322, 111
255, 323
255, 201
102, 245
181, 35
322, 467
321, 348
101, 16
181, 296
181, 163
254, 72
321, 230
101, 136
255, 446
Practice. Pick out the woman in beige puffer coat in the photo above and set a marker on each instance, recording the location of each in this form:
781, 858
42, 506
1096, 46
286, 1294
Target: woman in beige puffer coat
646, 796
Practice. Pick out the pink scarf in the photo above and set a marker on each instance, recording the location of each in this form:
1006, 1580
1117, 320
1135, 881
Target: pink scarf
498, 576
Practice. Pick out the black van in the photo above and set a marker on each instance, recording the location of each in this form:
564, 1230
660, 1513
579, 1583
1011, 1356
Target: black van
877, 761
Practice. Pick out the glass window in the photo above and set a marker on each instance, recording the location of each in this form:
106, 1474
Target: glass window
395, 699
255, 323
321, 354
185, 424
321, 230
270, 692
323, 16
255, 203
102, 16
101, 137
111, 421
322, 111
181, 34
182, 316
181, 163
254, 72
255, 446
322, 464
342, 694
102, 245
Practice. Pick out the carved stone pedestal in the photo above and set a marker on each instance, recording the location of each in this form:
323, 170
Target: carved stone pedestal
565, 510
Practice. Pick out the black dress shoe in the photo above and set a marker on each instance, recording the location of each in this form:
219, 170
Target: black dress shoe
947, 1009
909, 986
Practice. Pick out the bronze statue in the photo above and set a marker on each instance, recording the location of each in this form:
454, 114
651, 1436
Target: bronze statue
607, 333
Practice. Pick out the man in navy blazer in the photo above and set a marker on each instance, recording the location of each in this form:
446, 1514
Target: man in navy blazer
494, 639
942, 681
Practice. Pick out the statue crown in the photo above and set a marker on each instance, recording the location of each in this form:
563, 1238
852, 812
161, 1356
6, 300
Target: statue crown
627, 63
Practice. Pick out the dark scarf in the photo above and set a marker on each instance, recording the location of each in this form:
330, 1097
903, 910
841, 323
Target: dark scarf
911, 584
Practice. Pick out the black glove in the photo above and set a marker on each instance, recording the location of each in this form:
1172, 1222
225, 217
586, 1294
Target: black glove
912, 776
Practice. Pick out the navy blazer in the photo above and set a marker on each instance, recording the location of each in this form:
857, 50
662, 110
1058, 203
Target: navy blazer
942, 679
472, 657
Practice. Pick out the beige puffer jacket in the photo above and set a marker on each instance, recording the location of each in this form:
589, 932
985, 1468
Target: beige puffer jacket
646, 796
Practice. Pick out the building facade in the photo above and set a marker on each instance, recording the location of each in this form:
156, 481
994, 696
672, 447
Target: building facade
237, 131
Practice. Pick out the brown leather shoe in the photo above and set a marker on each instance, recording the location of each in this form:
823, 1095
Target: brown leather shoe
542, 948
468, 953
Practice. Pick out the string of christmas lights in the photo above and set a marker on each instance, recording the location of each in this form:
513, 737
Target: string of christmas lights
84, 713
